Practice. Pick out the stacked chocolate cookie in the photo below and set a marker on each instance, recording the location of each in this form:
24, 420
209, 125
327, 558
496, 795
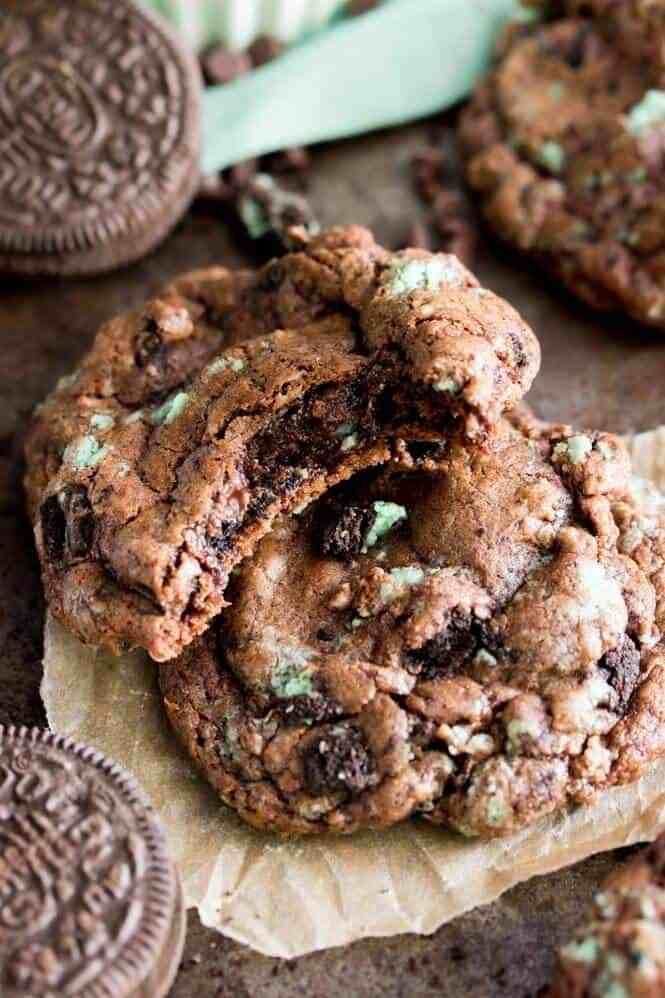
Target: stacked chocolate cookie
564, 144
377, 587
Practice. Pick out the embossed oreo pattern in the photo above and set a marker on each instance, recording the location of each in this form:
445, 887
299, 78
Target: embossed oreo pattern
98, 125
87, 893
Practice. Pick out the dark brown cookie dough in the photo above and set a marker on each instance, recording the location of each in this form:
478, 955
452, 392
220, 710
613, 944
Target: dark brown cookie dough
193, 422
620, 952
468, 634
565, 145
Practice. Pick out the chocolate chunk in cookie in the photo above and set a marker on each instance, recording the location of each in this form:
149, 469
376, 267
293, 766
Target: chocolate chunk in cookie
67, 524
493, 655
231, 398
622, 669
337, 760
354, 529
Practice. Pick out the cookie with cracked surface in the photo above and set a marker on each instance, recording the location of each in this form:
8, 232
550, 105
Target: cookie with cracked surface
620, 952
192, 423
565, 145
459, 634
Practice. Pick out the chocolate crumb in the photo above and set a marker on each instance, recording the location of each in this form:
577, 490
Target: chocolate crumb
264, 49
338, 760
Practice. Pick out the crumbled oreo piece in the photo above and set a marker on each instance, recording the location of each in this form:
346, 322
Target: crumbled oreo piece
264, 49
429, 169
621, 665
345, 535
91, 900
113, 147
337, 760
268, 210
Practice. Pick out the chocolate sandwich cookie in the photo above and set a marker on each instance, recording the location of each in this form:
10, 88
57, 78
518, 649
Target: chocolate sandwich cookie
470, 633
620, 952
157, 467
90, 903
99, 106
565, 145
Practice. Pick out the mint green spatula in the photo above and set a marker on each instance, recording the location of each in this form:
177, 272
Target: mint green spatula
407, 59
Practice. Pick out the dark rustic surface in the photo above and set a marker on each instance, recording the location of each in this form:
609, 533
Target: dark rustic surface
600, 373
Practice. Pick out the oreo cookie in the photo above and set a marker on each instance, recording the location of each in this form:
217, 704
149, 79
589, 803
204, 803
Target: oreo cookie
90, 903
100, 131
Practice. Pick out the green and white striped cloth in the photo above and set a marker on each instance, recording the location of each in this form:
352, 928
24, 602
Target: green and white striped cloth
239, 22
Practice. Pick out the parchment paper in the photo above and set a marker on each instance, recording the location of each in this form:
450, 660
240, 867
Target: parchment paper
286, 898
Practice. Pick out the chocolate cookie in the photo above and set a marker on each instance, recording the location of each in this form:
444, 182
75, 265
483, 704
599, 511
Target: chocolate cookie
565, 145
471, 633
99, 108
90, 903
156, 467
620, 952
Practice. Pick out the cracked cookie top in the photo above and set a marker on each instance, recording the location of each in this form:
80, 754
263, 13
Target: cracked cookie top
474, 638
192, 422
565, 144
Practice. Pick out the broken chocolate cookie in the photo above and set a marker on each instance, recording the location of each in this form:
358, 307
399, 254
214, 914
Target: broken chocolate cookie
158, 465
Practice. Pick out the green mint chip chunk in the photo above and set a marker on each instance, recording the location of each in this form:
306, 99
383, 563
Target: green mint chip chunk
648, 113
85, 452
254, 218
411, 575
291, 676
400, 581
348, 443
447, 385
225, 364
101, 421
497, 811
170, 409
584, 951
552, 156
426, 274
387, 514
575, 450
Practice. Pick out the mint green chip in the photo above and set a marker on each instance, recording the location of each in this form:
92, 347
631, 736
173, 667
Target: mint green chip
426, 274
85, 452
169, 410
291, 676
649, 113
552, 156
387, 515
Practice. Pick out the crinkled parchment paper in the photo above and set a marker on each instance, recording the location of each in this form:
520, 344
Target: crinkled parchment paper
286, 898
